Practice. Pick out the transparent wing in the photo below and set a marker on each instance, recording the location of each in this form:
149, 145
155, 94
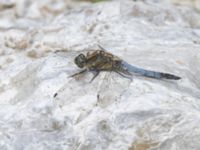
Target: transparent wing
112, 87
74, 89
105, 89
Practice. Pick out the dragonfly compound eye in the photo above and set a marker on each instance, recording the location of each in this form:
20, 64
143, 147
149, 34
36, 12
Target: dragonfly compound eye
80, 60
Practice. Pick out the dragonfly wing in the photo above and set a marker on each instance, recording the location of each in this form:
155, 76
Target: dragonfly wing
75, 89
112, 87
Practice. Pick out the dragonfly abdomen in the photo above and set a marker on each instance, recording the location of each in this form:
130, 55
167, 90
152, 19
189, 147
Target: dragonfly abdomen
148, 73
160, 75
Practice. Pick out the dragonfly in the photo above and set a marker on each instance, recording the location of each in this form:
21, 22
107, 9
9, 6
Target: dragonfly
101, 60
112, 86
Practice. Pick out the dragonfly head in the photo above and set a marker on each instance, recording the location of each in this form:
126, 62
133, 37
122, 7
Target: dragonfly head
80, 60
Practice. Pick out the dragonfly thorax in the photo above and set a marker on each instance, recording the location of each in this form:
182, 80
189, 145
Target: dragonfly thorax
80, 60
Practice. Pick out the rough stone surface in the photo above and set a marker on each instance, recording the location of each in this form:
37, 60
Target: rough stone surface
111, 113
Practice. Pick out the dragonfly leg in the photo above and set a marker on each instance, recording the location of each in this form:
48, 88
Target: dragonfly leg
78, 73
126, 72
96, 73
101, 47
128, 77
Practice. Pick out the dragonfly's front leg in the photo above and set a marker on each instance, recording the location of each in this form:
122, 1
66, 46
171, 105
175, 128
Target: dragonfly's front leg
96, 73
78, 73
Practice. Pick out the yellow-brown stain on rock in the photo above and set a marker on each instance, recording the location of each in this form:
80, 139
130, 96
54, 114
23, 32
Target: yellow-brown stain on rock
180, 62
143, 145
32, 54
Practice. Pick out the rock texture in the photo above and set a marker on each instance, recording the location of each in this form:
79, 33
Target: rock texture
38, 42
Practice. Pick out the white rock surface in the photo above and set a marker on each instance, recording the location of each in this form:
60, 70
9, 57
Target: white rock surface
140, 115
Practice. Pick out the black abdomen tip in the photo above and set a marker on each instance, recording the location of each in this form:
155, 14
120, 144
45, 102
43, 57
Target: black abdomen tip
177, 78
170, 76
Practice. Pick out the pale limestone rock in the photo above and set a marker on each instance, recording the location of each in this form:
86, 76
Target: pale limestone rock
192, 3
111, 114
